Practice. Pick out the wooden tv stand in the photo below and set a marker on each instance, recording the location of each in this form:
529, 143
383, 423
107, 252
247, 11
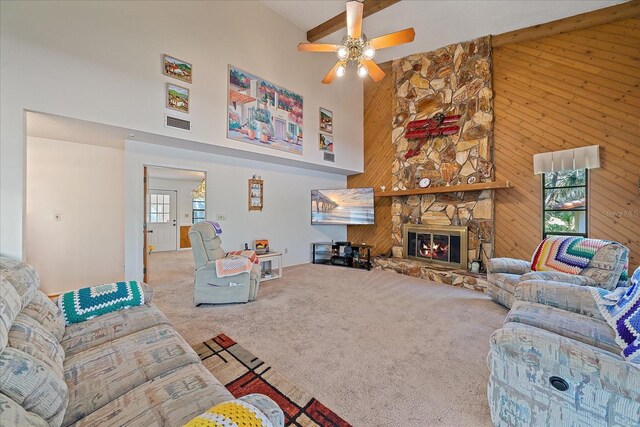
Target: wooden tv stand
345, 254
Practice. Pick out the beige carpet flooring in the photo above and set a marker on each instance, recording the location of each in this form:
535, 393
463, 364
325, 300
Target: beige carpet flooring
378, 348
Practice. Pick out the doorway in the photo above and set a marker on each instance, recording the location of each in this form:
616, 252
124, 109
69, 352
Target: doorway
174, 200
162, 220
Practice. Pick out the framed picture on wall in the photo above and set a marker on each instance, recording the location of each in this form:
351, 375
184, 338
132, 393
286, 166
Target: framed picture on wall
326, 143
177, 98
176, 68
326, 120
256, 187
263, 113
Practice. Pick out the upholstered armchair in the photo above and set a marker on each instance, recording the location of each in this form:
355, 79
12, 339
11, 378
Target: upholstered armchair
556, 361
209, 288
603, 271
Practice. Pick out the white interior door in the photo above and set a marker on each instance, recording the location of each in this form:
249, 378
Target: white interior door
161, 220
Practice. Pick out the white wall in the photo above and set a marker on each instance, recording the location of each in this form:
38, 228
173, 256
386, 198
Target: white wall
183, 188
84, 184
101, 62
285, 219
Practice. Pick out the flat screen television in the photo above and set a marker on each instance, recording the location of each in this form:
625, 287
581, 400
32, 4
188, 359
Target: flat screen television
349, 206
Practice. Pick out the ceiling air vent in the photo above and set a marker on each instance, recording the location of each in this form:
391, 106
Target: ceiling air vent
174, 122
329, 157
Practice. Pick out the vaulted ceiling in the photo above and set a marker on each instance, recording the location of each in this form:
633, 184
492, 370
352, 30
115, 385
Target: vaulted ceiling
437, 22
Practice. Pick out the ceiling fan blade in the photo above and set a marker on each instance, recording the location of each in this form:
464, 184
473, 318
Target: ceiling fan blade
331, 75
374, 71
317, 47
399, 37
354, 18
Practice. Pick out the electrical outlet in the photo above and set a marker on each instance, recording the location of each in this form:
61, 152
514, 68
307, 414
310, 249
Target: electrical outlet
221, 217
57, 216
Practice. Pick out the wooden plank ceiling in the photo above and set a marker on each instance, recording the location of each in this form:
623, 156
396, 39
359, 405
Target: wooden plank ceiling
569, 90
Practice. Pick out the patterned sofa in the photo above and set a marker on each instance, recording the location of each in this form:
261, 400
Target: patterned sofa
555, 362
128, 367
604, 270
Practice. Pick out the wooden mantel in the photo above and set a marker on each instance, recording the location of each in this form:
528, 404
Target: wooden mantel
493, 185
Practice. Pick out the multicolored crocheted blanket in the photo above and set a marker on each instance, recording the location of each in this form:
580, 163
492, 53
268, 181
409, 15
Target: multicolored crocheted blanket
568, 255
87, 303
247, 253
232, 265
231, 413
621, 310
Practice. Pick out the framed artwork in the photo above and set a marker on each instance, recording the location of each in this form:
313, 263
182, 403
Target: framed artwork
256, 194
326, 143
326, 120
261, 246
262, 113
176, 68
177, 98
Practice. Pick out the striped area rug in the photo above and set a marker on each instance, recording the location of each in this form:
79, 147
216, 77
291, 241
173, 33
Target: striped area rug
243, 373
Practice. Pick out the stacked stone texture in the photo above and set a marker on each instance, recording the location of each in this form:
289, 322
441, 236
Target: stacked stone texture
453, 80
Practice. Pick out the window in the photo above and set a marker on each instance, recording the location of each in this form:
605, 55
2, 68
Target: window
564, 203
198, 209
159, 208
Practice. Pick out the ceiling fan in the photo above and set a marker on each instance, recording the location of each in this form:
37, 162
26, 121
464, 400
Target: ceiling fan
356, 49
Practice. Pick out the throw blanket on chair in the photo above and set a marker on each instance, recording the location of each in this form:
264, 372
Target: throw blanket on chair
233, 265
621, 309
247, 254
87, 303
568, 255
216, 227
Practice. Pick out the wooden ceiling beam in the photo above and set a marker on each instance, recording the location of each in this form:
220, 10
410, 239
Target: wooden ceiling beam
630, 9
339, 22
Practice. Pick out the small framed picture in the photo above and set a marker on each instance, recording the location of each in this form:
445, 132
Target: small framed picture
326, 120
326, 143
256, 194
176, 68
177, 98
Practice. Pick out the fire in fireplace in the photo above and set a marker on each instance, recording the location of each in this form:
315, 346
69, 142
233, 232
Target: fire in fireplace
433, 246
446, 245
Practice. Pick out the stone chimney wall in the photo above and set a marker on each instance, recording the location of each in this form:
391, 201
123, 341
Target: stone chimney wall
455, 79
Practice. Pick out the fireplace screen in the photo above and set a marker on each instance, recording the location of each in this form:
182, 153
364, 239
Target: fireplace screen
443, 247
438, 247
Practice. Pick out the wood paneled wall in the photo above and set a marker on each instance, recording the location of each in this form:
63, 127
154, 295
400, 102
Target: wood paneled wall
379, 153
569, 90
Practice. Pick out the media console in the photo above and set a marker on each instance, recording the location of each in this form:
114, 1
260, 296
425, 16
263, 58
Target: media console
345, 254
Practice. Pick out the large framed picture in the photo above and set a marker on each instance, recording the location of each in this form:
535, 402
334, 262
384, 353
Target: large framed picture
176, 68
262, 113
177, 98
326, 120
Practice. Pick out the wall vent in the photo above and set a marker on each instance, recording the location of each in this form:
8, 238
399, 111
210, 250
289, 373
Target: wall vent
174, 122
329, 157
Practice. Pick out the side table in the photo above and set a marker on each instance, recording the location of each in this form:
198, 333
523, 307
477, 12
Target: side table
266, 269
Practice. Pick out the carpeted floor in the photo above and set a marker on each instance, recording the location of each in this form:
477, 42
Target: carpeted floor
378, 348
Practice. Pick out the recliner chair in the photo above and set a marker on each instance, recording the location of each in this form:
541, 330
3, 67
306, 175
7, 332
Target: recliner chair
208, 287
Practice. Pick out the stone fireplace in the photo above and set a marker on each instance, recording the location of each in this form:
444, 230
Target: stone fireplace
442, 245
453, 80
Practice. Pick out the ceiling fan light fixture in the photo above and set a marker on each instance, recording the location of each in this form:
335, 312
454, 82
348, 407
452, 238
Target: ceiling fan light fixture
362, 71
341, 70
343, 52
368, 52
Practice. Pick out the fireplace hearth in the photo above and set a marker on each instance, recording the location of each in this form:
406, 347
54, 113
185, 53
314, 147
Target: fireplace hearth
443, 245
